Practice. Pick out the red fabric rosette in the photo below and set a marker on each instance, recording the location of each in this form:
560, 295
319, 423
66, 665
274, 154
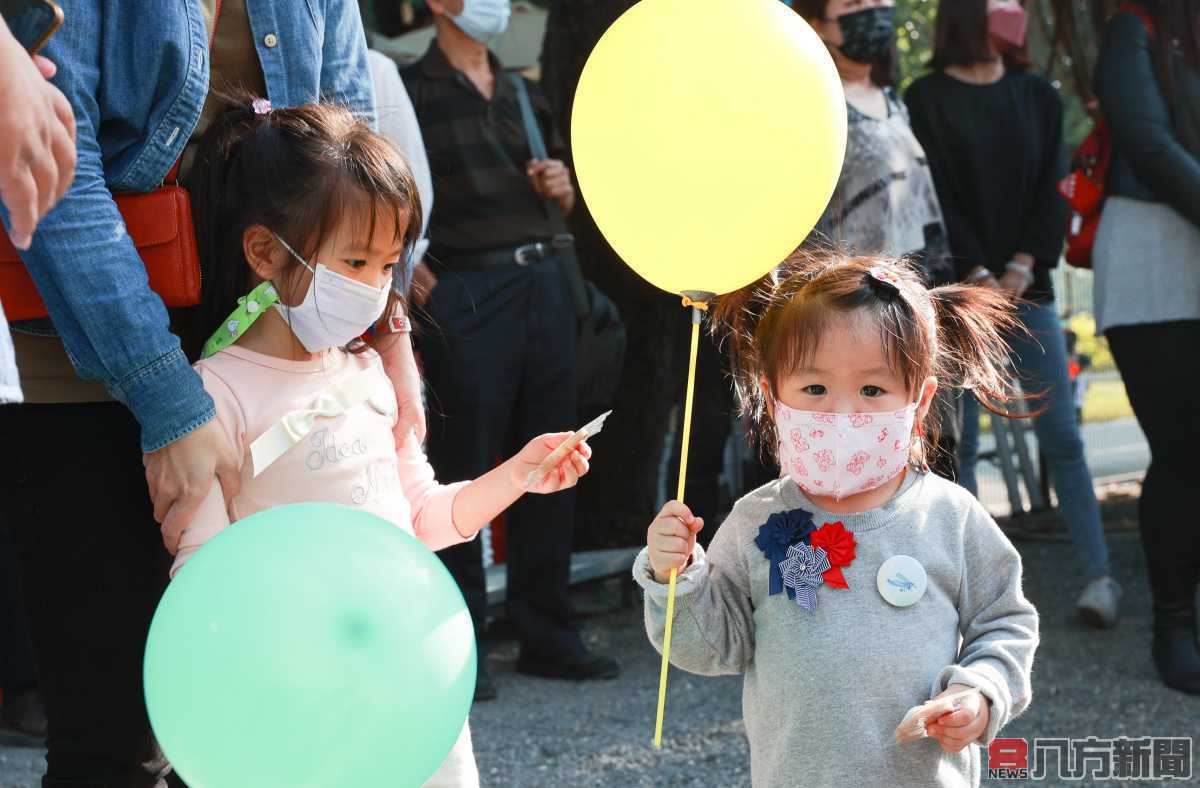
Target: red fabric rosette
838, 544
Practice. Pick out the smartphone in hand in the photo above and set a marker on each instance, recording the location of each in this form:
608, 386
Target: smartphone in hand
31, 22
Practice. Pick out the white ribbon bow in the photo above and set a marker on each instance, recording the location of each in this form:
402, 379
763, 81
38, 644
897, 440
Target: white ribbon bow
332, 401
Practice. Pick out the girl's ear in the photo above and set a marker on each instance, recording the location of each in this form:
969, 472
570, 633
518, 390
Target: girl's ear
265, 255
764, 385
925, 401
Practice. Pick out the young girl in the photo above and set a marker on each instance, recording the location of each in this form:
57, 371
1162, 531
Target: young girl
303, 214
858, 585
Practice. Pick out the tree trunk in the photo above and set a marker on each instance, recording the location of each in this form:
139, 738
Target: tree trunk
618, 499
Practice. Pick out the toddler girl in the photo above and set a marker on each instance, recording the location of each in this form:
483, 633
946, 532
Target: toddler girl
858, 585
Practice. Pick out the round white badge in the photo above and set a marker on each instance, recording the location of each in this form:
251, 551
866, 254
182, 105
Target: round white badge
902, 580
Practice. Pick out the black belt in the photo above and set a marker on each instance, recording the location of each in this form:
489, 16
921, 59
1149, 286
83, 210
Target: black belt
512, 255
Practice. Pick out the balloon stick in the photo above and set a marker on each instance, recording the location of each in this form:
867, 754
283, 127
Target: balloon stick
699, 304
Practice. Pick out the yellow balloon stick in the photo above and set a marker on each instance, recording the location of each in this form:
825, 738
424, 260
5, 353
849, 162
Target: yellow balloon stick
698, 307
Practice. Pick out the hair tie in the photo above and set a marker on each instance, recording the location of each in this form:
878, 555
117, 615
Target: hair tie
261, 106
916, 297
884, 282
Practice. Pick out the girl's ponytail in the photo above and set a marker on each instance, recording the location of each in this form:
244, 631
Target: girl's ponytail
216, 208
972, 353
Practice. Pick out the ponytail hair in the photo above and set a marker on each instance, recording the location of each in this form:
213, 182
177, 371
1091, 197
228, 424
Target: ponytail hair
954, 333
299, 172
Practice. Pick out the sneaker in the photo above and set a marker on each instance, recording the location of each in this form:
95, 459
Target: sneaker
579, 667
23, 713
1098, 603
485, 689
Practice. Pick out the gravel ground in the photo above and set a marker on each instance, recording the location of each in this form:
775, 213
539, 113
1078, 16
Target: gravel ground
551, 733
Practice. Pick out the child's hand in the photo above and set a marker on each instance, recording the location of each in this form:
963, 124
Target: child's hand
565, 476
671, 539
954, 731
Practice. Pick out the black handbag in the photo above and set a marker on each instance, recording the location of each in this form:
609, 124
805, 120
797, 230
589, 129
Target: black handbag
600, 350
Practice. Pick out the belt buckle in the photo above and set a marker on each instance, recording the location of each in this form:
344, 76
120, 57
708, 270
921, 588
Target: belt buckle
563, 240
524, 255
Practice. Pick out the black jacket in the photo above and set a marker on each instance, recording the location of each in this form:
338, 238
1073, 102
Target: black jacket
1154, 158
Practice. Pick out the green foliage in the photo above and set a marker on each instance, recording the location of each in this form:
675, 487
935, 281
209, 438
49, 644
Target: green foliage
914, 37
1089, 343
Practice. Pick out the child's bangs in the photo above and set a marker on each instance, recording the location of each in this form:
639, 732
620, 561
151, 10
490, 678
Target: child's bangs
367, 212
372, 183
799, 324
797, 328
904, 344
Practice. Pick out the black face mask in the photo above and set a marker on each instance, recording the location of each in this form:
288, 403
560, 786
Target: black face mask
867, 34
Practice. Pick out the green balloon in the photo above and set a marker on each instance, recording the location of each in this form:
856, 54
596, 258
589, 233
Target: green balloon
310, 645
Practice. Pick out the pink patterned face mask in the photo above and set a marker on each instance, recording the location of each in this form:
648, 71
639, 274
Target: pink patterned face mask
842, 454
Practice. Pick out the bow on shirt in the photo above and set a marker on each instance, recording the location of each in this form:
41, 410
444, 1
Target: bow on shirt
332, 401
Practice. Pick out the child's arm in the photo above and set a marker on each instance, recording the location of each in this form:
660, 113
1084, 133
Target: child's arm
713, 630
445, 515
482, 500
999, 626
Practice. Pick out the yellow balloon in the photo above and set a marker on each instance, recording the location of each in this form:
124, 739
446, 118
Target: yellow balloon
708, 136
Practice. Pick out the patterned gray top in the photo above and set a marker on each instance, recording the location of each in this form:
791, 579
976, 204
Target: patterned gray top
885, 201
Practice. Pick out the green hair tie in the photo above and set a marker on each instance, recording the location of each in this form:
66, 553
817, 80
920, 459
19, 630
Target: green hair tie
250, 308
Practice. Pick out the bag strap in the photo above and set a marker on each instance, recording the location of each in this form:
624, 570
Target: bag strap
173, 173
576, 283
533, 132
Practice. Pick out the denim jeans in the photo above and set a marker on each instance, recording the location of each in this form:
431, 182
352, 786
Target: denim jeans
1041, 361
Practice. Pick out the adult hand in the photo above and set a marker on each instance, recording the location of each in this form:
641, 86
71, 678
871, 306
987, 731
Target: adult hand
976, 277
37, 139
1018, 274
1015, 283
423, 282
552, 181
180, 475
401, 368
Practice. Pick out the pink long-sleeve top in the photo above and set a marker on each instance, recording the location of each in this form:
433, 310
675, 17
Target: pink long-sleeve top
333, 453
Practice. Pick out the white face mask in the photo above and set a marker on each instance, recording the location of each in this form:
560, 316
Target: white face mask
842, 454
484, 20
335, 311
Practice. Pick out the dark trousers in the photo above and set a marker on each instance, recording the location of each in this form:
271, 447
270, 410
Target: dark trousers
16, 653
499, 356
93, 568
1161, 370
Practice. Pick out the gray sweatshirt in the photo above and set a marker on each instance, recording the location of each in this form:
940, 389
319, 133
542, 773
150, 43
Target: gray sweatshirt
824, 690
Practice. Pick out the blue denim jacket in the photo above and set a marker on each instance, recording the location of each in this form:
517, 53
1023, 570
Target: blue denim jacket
136, 73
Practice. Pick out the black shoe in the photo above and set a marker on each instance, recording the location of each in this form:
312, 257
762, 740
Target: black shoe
485, 690
1175, 652
1177, 657
579, 667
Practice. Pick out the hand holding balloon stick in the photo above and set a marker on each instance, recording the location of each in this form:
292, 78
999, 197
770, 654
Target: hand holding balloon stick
744, 151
